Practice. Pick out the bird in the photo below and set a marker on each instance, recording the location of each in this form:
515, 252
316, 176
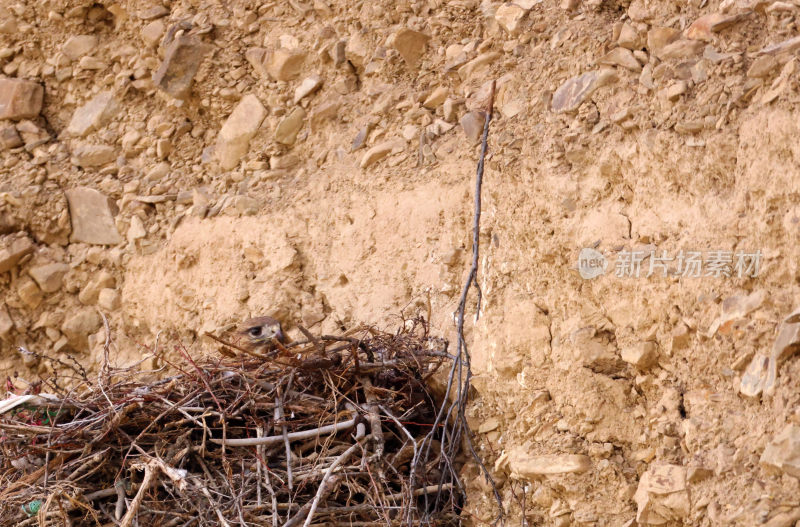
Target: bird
261, 333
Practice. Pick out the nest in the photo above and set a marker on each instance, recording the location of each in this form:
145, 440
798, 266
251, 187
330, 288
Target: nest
333, 430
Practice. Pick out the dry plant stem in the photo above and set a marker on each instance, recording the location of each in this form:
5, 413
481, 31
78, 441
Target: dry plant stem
104, 375
220, 517
260, 456
202, 377
311, 338
33, 477
376, 430
279, 414
326, 485
457, 425
102, 493
234, 346
119, 487
271, 491
267, 484
293, 436
150, 472
430, 489
413, 465
463, 389
270, 386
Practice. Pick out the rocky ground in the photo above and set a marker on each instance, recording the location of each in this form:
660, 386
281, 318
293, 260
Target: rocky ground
179, 166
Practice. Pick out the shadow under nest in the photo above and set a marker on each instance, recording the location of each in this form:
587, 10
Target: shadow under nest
333, 430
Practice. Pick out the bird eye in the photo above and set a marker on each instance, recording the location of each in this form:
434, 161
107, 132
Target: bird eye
255, 332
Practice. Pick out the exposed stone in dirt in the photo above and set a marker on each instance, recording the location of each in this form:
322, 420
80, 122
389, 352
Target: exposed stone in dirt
92, 221
287, 130
20, 99
472, 125
109, 299
6, 323
93, 115
762, 66
436, 98
621, 57
410, 44
286, 64
78, 46
783, 452
158, 172
152, 32
761, 375
181, 62
12, 249
659, 37
449, 108
86, 156
240, 127
529, 467
509, 17
90, 292
153, 12
478, 64
674, 90
29, 293
50, 276
786, 46
378, 152
10, 138
690, 127
703, 27
136, 231
569, 96
79, 326
31, 135
642, 355
282, 64
629, 38
662, 495
307, 87
680, 49
361, 137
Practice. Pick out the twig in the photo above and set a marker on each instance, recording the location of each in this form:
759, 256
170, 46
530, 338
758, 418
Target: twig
430, 489
214, 505
293, 436
460, 371
326, 485
119, 487
229, 344
463, 388
413, 466
279, 415
375, 428
150, 472
202, 376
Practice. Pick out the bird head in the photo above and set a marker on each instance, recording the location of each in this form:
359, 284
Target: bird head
261, 331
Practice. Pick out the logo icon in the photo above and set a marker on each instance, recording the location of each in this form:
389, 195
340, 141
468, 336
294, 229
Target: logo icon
591, 263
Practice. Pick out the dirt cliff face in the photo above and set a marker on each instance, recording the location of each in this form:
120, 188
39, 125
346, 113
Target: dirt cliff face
179, 166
